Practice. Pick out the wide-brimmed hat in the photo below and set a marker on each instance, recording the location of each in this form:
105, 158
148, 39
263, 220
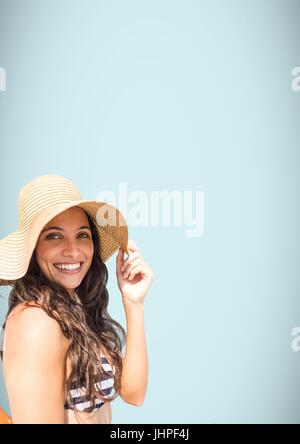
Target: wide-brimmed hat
40, 201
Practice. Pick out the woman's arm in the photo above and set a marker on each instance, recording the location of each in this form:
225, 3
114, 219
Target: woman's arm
34, 367
134, 378
134, 279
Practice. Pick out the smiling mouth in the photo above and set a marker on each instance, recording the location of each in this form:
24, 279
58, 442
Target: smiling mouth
69, 268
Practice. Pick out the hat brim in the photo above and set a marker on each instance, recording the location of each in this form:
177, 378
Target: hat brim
17, 248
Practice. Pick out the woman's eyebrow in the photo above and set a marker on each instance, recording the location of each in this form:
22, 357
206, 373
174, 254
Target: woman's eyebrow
61, 229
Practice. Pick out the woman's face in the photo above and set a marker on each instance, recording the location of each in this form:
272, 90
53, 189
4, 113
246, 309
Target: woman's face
64, 250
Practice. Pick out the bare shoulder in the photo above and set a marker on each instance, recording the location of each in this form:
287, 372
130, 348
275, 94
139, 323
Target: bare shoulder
31, 326
34, 366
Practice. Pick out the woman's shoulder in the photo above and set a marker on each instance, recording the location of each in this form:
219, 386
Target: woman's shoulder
20, 307
30, 321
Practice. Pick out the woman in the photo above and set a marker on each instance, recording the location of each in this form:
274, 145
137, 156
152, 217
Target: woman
62, 352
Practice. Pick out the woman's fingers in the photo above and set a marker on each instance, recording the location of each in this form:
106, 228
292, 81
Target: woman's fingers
132, 246
129, 260
120, 255
133, 263
135, 270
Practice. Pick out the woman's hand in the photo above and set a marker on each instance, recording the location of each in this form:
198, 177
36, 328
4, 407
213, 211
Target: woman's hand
134, 275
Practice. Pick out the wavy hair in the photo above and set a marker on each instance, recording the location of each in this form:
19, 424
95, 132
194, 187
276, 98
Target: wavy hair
88, 327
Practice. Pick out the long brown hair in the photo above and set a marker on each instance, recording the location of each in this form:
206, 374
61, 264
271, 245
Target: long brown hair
88, 327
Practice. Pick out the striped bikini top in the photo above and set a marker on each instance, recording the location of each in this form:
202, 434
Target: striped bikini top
78, 395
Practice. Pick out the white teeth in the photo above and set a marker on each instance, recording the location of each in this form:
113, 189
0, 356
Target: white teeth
68, 266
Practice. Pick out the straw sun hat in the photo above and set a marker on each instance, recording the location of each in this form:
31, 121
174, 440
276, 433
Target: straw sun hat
40, 201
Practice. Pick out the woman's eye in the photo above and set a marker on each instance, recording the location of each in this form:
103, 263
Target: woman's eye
51, 236
84, 234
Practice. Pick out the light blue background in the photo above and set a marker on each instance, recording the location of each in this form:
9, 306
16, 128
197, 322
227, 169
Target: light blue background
176, 95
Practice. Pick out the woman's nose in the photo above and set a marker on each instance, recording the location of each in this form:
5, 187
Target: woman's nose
70, 248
